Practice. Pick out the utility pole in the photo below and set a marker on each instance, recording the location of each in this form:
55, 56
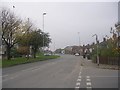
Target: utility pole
97, 48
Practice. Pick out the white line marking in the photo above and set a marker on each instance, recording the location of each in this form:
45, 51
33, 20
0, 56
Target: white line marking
78, 80
88, 87
79, 77
87, 76
77, 87
77, 84
87, 79
88, 83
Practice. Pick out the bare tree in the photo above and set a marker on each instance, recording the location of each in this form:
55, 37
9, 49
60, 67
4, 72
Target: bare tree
10, 27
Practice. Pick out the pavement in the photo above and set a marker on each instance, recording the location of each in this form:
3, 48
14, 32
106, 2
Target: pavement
104, 66
68, 71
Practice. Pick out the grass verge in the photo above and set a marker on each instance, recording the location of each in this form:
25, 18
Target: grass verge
23, 60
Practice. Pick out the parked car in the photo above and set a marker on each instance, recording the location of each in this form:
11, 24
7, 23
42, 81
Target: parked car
47, 54
77, 54
88, 56
27, 56
84, 56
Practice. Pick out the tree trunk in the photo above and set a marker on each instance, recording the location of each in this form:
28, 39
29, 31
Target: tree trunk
8, 53
27, 56
34, 56
28, 53
34, 53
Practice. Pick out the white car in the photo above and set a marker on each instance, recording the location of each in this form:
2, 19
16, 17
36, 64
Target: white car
77, 54
47, 54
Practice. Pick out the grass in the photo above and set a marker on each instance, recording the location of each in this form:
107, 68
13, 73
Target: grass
23, 60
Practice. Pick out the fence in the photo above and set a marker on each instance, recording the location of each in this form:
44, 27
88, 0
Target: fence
109, 60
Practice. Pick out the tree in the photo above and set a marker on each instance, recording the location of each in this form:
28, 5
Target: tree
25, 37
10, 27
23, 50
37, 40
47, 39
34, 38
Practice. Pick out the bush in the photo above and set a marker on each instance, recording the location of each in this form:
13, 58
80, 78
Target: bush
15, 53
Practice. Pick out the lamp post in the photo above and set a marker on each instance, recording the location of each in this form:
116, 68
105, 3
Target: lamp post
43, 29
117, 26
79, 43
13, 8
97, 48
79, 38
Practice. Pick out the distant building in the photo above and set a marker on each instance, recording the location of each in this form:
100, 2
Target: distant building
59, 51
77, 49
68, 50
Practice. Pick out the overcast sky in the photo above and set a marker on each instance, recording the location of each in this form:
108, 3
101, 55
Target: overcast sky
65, 19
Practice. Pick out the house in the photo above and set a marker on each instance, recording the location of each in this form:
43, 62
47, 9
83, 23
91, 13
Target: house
77, 49
68, 50
59, 51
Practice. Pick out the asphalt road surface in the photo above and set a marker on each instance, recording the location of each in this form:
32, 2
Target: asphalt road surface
68, 71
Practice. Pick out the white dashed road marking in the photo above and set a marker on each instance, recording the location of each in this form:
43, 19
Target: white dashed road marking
87, 76
78, 80
77, 84
87, 80
88, 83
77, 87
89, 87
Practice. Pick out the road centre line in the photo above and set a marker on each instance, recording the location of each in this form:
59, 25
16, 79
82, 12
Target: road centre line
78, 84
88, 87
87, 76
78, 80
88, 83
77, 87
88, 80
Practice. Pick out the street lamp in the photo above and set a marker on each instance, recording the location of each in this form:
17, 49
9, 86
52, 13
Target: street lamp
13, 6
43, 28
97, 48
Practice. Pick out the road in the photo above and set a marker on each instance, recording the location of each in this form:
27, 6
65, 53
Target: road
68, 71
